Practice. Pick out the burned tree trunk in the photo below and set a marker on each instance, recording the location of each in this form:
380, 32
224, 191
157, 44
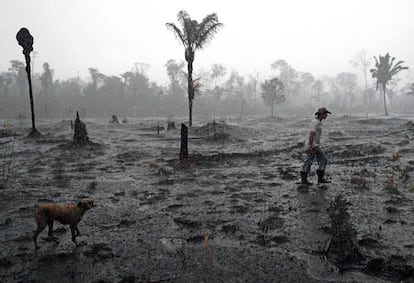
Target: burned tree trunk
170, 126
184, 142
81, 135
114, 119
25, 40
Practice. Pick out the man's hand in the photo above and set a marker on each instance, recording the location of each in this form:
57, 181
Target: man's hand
309, 149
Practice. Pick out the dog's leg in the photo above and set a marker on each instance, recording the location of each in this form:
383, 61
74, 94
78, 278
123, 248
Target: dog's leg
50, 224
77, 232
50, 232
40, 225
73, 229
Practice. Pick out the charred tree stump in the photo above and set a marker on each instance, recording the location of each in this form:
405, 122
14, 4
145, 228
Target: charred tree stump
114, 119
171, 126
81, 135
184, 142
25, 40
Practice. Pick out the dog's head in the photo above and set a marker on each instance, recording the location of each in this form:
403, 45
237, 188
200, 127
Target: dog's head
85, 204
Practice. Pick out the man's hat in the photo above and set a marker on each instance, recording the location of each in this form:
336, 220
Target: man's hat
322, 110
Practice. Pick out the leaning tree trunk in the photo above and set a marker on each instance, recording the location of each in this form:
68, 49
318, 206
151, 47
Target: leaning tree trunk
385, 101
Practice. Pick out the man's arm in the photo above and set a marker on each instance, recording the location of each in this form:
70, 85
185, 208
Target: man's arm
310, 143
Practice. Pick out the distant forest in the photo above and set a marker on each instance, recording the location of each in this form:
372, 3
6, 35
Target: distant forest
218, 92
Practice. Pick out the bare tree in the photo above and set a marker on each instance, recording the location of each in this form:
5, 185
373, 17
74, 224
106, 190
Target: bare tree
347, 82
362, 62
25, 40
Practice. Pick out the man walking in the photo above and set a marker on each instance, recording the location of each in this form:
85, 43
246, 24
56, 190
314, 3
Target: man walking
313, 148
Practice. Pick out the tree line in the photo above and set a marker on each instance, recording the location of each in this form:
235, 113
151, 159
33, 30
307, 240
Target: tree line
218, 91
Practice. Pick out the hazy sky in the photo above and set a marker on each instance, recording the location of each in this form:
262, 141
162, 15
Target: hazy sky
320, 36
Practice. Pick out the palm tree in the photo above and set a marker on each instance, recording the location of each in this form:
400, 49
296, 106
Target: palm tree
384, 71
193, 36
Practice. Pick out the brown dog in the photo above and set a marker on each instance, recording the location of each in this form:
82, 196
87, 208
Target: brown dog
64, 213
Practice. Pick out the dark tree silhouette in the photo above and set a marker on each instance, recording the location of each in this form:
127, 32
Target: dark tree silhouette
193, 36
383, 72
25, 40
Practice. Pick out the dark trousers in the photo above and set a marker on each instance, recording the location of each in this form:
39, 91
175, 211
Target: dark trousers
320, 157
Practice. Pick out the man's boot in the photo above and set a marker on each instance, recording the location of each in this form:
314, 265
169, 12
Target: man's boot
321, 179
304, 178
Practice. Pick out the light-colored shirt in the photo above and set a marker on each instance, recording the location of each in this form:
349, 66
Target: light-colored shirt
314, 126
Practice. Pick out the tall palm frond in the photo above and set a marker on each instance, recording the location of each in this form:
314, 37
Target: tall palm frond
384, 71
193, 36
177, 32
207, 29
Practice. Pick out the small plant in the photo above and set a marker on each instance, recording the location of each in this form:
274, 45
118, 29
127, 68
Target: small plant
209, 254
359, 182
395, 157
404, 174
342, 248
389, 183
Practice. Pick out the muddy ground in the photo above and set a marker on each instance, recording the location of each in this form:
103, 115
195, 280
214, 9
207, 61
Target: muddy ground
232, 213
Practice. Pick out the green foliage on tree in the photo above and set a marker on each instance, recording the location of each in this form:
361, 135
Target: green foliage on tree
384, 71
193, 36
273, 93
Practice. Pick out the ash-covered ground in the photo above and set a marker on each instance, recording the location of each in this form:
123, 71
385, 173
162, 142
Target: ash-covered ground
231, 213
